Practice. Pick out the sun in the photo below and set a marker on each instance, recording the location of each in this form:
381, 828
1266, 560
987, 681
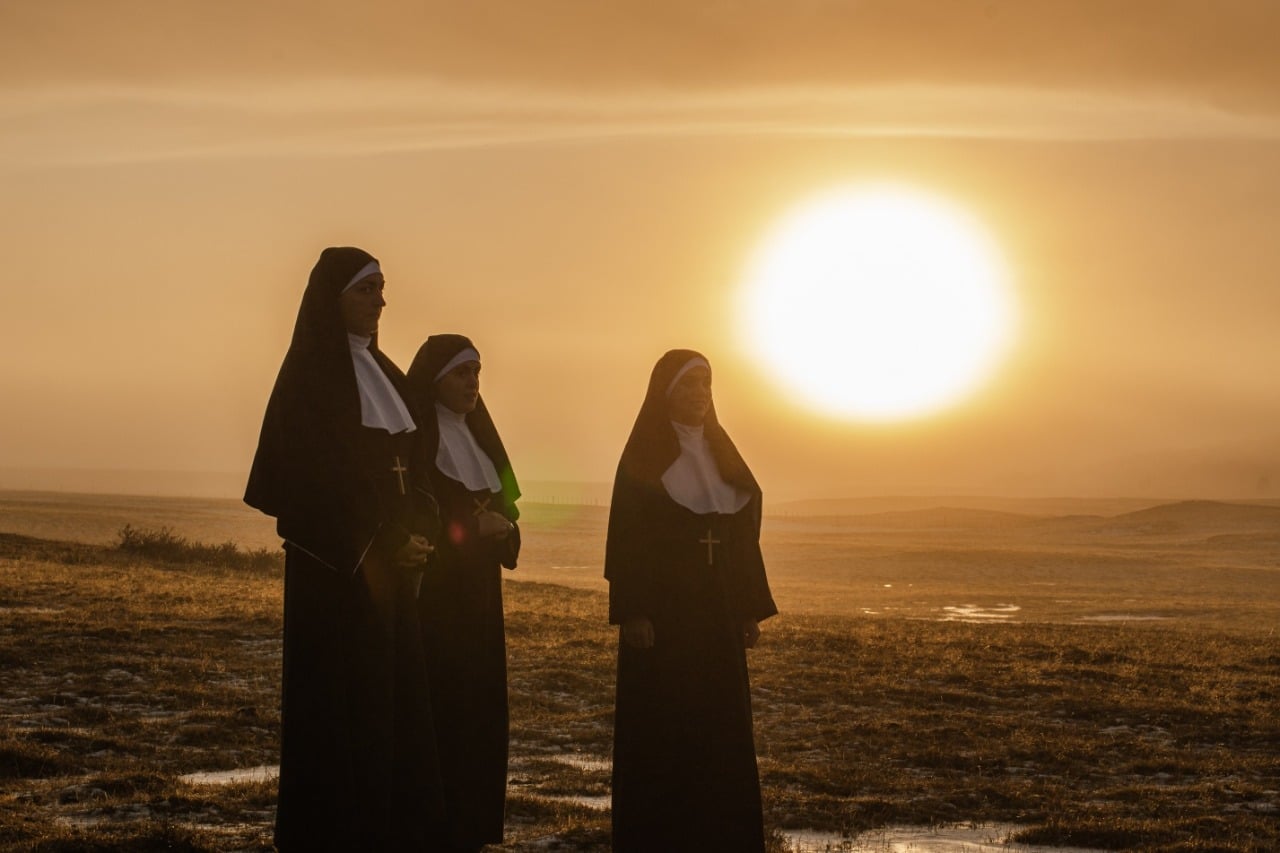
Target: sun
878, 302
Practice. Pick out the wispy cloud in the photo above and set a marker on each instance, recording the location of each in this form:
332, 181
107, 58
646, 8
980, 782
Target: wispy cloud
319, 118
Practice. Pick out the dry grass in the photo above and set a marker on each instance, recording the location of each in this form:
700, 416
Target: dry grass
1117, 737
165, 546
119, 673
118, 677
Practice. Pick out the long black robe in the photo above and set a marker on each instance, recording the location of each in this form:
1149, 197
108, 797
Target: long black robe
358, 764
684, 765
463, 624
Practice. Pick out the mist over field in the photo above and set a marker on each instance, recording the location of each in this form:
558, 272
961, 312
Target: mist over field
1053, 559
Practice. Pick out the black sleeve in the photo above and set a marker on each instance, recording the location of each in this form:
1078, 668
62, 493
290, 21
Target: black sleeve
748, 584
627, 560
509, 548
332, 511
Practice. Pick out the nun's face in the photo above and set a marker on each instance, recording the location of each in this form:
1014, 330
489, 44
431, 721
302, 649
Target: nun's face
362, 305
690, 399
459, 389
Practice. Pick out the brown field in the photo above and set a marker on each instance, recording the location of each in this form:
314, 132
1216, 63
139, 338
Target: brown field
1107, 680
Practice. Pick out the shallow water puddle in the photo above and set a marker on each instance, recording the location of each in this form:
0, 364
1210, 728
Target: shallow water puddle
597, 802
977, 613
261, 773
80, 821
962, 838
1124, 617
585, 762
582, 762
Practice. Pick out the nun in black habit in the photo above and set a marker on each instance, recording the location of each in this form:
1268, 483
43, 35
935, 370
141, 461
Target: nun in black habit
462, 590
687, 584
340, 466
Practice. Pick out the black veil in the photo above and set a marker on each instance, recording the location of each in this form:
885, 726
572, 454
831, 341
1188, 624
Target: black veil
307, 471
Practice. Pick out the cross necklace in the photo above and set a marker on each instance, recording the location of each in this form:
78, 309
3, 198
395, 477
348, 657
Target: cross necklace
399, 470
710, 542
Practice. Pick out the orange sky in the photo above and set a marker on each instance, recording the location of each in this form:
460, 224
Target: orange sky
578, 186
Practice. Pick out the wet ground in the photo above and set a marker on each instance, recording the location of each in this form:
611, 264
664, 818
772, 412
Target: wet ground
958, 838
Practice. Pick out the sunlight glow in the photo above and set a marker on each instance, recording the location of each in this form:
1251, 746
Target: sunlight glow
878, 303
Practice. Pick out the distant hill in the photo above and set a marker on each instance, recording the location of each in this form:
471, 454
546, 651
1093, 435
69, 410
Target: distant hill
108, 481
1206, 519
1043, 507
1210, 517
940, 518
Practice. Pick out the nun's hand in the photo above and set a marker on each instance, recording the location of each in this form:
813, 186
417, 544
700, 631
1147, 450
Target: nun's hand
494, 525
414, 553
750, 633
638, 633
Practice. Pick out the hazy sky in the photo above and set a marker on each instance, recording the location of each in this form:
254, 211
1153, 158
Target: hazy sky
578, 186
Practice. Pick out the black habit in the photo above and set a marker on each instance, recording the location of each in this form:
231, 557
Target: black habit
358, 763
684, 763
463, 623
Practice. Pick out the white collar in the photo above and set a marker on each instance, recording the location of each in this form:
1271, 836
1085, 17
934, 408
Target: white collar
694, 480
460, 456
380, 403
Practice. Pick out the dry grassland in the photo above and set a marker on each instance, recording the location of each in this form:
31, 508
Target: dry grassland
1102, 683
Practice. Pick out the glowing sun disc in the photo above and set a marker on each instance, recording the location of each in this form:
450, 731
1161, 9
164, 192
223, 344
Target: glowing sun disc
878, 303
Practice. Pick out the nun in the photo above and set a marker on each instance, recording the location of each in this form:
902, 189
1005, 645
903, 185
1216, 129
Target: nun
687, 586
462, 591
341, 466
